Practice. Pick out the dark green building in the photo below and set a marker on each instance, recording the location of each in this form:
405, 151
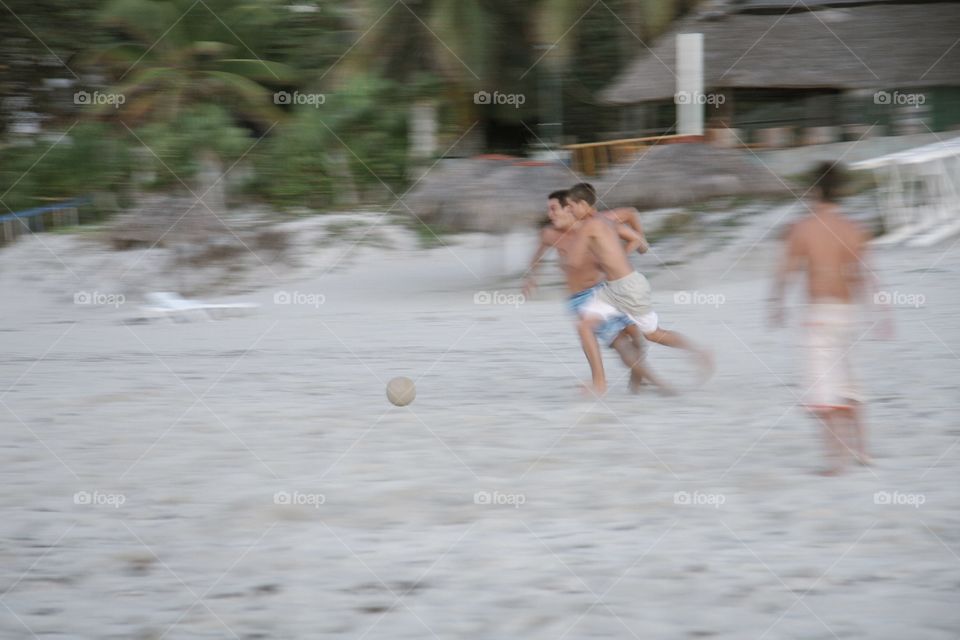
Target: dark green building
780, 73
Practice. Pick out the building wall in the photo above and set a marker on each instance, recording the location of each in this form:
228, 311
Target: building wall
789, 117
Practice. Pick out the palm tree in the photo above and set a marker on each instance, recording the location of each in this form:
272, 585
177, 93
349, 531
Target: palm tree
464, 46
167, 55
193, 82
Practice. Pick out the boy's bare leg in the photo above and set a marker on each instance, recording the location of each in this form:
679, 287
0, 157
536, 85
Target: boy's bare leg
631, 352
679, 341
836, 448
591, 349
858, 437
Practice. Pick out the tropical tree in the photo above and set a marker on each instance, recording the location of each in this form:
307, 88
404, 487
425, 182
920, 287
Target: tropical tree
166, 55
353, 147
195, 87
38, 42
551, 52
444, 51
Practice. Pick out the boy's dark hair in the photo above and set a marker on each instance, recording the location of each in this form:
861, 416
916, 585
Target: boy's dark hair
588, 186
829, 180
560, 196
582, 192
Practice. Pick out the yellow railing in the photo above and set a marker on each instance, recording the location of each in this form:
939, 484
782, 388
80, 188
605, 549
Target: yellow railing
590, 158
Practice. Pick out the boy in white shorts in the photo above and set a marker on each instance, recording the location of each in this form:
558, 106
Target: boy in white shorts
830, 250
625, 289
595, 319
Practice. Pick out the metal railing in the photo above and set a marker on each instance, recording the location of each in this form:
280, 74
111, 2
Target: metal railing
59, 214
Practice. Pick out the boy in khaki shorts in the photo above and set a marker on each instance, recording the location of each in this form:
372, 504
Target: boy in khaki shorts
625, 289
596, 321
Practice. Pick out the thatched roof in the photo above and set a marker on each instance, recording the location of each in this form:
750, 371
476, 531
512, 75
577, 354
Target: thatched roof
498, 194
491, 194
871, 46
674, 175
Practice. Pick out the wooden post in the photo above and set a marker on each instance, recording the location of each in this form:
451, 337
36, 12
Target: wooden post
690, 97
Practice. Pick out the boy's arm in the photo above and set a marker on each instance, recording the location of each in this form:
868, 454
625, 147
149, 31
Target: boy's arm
869, 290
790, 262
530, 282
630, 217
633, 239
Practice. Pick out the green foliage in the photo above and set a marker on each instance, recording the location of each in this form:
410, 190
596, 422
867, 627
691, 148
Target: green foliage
356, 139
170, 149
38, 42
87, 160
370, 118
168, 55
292, 167
202, 77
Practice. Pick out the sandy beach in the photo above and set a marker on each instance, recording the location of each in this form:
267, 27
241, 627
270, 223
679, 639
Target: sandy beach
247, 478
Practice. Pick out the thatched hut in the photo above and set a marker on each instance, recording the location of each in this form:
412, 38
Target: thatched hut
683, 174
497, 193
491, 194
778, 72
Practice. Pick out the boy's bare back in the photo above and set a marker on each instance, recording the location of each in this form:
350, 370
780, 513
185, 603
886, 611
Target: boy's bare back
829, 249
605, 244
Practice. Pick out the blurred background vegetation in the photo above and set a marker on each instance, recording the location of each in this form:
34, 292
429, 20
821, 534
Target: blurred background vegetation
201, 79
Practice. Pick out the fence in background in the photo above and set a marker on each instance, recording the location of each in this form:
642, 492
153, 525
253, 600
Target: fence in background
59, 214
590, 158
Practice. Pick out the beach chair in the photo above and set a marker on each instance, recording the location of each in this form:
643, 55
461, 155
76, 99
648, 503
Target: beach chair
174, 307
920, 193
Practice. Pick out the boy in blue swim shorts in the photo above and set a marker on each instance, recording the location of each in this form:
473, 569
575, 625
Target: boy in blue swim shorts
593, 316
616, 330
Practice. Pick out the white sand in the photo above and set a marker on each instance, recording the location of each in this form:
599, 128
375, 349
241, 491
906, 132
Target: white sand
196, 426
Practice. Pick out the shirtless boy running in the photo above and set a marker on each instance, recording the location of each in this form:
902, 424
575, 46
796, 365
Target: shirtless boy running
595, 319
624, 289
830, 250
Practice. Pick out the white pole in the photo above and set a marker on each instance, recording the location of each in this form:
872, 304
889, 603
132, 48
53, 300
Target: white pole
690, 97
